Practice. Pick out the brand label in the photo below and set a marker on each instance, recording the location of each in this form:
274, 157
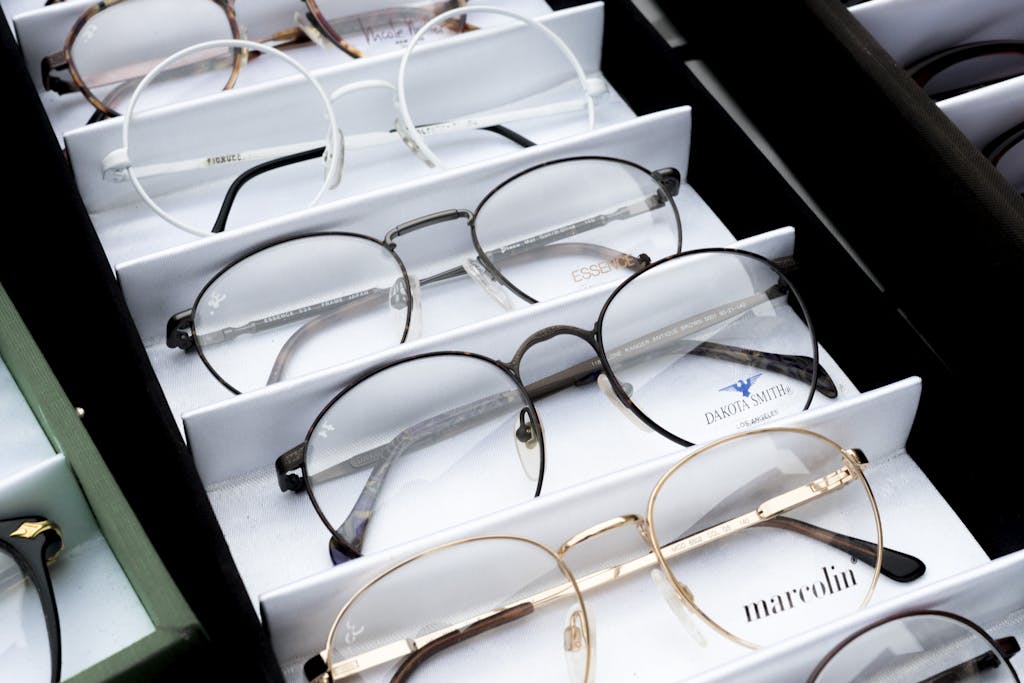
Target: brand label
215, 300
223, 159
601, 267
830, 583
748, 400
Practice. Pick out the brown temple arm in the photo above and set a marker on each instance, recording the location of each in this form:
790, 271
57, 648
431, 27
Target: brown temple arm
896, 565
417, 658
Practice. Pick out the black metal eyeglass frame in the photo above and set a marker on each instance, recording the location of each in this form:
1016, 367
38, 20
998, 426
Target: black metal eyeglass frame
1005, 647
34, 543
181, 332
346, 540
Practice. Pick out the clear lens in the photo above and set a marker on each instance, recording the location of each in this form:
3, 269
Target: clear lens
122, 42
497, 609
785, 574
918, 647
391, 458
573, 224
526, 83
710, 343
185, 153
385, 29
299, 306
24, 643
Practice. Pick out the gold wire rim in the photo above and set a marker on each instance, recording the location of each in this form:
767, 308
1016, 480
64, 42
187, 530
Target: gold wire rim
327, 652
846, 456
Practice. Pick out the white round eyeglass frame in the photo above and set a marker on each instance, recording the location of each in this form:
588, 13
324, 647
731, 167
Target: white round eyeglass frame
119, 161
333, 140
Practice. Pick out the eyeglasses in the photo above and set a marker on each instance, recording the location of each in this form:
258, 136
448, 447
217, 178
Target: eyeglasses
113, 44
759, 535
982, 63
968, 66
162, 163
28, 610
305, 302
699, 344
920, 646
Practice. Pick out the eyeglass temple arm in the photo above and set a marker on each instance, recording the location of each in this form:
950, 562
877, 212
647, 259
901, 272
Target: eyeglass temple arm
796, 367
896, 565
966, 670
323, 319
259, 169
315, 667
36, 542
766, 510
353, 529
180, 325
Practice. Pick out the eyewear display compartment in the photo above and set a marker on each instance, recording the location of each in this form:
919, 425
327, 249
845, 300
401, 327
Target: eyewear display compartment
869, 343
901, 177
120, 615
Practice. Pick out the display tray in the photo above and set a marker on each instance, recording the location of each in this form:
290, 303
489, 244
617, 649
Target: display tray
901, 295
121, 616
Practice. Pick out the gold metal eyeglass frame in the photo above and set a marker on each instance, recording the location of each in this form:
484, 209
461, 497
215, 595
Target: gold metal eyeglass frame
422, 647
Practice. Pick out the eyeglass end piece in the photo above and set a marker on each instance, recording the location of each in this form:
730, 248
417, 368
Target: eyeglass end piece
115, 166
670, 178
314, 668
179, 331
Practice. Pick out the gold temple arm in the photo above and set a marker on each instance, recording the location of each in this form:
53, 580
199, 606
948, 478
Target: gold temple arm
768, 509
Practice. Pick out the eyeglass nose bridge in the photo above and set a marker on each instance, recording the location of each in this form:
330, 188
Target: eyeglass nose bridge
549, 333
600, 528
425, 221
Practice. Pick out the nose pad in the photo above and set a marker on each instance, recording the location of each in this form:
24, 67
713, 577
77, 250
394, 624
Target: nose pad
673, 595
527, 438
399, 300
606, 389
485, 280
579, 645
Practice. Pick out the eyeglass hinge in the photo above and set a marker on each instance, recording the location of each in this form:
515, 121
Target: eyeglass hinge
179, 331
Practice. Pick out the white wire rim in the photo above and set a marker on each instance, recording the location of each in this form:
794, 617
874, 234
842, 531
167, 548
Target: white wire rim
332, 139
403, 106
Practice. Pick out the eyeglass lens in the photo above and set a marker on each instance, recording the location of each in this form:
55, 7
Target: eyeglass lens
918, 647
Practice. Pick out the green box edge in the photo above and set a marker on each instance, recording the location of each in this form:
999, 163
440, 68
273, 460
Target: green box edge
176, 625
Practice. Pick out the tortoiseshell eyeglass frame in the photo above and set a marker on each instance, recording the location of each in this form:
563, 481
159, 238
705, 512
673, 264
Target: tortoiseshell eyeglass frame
1002, 648
34, 543
60, 61
317, 16
282, 40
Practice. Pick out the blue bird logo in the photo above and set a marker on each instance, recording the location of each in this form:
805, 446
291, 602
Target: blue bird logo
743, 386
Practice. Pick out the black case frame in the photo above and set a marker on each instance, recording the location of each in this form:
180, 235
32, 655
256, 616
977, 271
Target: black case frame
877, 336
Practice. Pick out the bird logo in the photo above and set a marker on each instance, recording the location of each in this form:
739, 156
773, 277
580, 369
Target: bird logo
743, 386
